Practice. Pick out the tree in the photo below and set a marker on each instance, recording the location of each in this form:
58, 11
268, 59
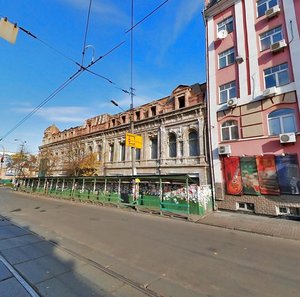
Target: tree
47, 162
78, 162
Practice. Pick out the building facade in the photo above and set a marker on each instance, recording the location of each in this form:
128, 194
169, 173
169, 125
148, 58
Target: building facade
253, 81
172, 128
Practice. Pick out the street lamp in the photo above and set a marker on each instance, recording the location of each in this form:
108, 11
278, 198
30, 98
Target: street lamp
23, 142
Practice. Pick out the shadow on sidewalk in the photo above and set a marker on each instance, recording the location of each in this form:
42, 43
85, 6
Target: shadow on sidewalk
49, 269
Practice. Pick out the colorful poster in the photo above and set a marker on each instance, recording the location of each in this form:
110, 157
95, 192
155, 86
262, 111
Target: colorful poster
288, 174
267, 175
249, 176
233, 176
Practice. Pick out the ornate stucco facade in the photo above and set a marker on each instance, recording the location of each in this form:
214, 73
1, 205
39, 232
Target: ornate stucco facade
173, 131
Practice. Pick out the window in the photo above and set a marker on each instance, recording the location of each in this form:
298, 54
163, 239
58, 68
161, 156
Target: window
245, 206
123, 119
172, 146
229, 130
193, 144
227, 91
122, 151
270, 37
282, 121
137, 115
153, 111
111, 153
226, 58
227, 25
99, 152
276, 76
154, 148
113, 122
181, 101
264, 5
138, 154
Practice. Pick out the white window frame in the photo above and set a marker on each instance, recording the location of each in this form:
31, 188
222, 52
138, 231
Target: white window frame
224, 25
226, 88
281, 118
263, 2
230, 127
282, 68
226, 54
270, 34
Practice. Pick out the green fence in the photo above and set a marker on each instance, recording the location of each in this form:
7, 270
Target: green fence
176, 194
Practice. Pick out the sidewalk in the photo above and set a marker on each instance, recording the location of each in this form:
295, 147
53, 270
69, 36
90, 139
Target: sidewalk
271, 226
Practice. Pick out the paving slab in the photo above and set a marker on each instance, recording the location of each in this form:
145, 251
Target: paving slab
10, 231
29, 252
4, 272
18, 241
12, 288
43, 268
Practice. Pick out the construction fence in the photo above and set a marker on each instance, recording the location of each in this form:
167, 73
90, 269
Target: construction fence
180, 194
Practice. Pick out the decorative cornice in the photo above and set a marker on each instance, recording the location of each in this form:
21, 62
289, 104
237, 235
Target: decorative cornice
218, 7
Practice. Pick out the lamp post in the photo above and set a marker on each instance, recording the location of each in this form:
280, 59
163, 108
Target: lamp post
23, 142
2, 161
133, 167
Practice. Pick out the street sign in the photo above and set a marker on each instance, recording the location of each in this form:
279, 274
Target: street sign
134, 140
8, 31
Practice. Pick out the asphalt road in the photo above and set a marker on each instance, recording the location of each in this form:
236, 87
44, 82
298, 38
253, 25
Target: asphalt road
172, 257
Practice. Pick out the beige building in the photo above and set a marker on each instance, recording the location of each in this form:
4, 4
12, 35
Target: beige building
173, 130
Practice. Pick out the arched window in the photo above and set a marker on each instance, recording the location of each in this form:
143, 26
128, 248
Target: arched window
172, 146
281, 121
193, 144
230, 130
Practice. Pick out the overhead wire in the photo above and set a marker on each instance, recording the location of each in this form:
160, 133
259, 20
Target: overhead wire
86, 31
58, 90
82, 68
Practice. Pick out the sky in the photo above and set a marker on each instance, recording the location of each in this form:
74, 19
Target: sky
169, 50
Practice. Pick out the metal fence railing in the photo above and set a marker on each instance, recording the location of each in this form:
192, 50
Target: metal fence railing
175, 194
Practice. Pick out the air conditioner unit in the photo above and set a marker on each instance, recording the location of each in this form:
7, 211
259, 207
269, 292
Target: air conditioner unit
287, 138
273, 11
277, 46
231, 102
224, 149
270, 92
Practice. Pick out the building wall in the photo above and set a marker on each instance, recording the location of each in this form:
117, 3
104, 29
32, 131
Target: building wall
253, 108
179, 114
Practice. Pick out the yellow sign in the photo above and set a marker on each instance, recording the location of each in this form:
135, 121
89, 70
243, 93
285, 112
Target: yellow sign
134, 140
8, 31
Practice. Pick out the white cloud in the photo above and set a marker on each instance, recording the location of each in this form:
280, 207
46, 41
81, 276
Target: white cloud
62, 114
108, 11
177, 22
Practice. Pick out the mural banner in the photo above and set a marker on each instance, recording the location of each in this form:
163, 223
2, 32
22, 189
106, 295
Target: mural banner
249, 176
267, 175
288, 174
233, 176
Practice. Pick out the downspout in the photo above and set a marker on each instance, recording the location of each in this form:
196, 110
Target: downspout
207, 123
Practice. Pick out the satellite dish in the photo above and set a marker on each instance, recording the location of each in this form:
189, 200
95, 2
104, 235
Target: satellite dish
222, 34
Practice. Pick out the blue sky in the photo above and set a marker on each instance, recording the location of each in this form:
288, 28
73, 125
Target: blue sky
169, 50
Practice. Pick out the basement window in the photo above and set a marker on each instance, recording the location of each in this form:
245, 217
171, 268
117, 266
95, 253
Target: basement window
245, 206
288, 211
